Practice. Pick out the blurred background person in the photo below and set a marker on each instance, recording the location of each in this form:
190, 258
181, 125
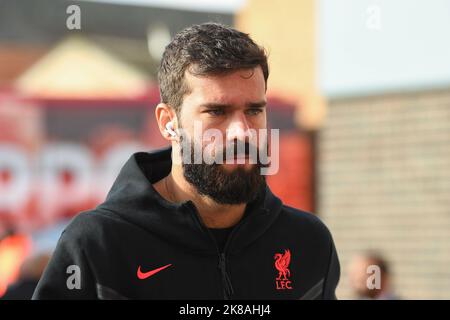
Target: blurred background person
363, 280
29, 275
23, 258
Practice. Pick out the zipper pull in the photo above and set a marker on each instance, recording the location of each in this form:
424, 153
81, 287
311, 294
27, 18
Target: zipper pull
222, 262
228, 287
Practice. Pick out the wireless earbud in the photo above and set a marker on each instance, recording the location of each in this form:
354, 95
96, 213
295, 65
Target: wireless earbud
169, 129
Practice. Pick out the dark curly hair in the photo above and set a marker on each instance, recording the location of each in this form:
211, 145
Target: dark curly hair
206, 49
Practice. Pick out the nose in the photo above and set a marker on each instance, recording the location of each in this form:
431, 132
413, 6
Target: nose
238, 129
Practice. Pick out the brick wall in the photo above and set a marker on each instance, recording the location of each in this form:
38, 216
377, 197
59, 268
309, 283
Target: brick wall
384, 183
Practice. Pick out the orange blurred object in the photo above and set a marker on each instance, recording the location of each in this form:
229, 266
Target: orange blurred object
13, 251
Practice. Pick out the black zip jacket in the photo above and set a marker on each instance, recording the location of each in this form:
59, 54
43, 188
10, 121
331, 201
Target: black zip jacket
137, 245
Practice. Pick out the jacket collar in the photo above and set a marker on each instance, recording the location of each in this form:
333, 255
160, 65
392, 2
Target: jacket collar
134, 199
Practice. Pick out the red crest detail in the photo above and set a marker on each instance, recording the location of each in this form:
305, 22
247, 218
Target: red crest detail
282, 262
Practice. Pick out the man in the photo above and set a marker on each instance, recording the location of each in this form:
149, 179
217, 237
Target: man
174, 229
370, 277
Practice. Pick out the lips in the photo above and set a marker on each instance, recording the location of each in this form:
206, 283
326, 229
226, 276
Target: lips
243, 159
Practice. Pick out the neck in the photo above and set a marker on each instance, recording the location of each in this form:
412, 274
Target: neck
175, 188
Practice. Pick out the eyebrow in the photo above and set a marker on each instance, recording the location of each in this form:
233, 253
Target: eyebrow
213, 105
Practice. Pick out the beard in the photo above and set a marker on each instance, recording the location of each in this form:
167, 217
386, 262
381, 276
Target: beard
231, 187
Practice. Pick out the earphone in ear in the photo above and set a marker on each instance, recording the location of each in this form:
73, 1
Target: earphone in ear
169, 129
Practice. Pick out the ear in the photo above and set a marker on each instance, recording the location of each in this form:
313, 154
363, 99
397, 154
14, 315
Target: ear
164, 113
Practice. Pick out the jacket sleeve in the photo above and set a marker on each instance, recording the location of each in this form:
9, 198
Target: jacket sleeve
333, 274
68, 275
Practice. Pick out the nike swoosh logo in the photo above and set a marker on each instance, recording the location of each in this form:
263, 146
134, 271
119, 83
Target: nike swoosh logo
144, 275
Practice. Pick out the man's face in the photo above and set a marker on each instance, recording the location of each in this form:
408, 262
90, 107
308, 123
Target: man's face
234, 105
358, 277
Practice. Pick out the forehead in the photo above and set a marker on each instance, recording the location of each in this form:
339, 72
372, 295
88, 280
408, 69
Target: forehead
234, 88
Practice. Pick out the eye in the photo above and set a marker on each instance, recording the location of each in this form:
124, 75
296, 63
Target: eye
253, 111
215, 112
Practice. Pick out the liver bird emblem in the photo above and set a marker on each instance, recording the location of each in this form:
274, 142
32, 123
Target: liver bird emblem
282, 264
